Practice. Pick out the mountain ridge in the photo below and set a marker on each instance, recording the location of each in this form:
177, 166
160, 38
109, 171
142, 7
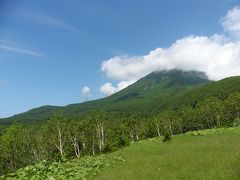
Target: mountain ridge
137, 97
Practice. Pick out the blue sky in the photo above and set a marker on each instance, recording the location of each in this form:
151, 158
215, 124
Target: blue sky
52, 52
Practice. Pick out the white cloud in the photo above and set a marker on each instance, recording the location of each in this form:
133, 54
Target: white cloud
86, 92
21, 50
231, 22
217, 55
108, 89
123, 84
212, 55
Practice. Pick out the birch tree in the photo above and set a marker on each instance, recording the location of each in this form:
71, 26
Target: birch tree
97, 121
59, 131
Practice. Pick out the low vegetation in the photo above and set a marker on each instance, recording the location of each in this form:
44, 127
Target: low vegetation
209, 131
213, 154
64, 169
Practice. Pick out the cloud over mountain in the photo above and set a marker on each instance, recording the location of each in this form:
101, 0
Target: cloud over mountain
217, 55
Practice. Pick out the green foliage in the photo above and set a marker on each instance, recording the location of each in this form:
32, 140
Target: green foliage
14, 146
158, 160
75, 169
167, 136
209, 131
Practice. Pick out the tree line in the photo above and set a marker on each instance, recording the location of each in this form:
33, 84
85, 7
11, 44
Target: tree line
98, 132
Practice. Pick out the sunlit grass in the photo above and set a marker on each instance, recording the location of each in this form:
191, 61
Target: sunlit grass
209, 154
214, 156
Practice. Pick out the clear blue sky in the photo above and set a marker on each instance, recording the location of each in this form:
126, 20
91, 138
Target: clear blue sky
51, 49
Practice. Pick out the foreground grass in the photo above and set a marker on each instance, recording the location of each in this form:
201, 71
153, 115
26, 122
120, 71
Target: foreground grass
207, 156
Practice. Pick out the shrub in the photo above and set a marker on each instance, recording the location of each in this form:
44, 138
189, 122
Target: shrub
167, 136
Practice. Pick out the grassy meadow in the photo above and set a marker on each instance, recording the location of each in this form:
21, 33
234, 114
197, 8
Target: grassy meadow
208, 154
188, 156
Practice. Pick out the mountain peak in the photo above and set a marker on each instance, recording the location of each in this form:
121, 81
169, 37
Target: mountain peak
175, 77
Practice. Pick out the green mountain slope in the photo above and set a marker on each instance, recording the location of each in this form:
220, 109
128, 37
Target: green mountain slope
219, 89
155, 88
156, 92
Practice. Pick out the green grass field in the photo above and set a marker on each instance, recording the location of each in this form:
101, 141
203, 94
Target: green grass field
209, 154
214, 156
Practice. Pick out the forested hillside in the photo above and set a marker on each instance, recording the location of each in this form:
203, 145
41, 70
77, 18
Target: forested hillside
174, 104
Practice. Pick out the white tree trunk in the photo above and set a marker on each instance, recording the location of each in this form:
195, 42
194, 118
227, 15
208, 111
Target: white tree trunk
60, 141
137, 137
93, 146
103, 138
131, 135
76, 146
158, 131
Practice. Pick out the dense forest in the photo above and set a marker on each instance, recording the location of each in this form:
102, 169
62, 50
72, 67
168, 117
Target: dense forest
100, 132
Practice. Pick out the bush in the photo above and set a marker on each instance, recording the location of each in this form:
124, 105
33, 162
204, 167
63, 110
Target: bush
167, 136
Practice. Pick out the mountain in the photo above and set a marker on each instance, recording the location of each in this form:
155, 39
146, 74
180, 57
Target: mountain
153, 91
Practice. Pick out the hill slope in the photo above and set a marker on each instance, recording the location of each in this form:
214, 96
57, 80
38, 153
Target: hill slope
219, 89
157, 87
214, 156
156, 92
